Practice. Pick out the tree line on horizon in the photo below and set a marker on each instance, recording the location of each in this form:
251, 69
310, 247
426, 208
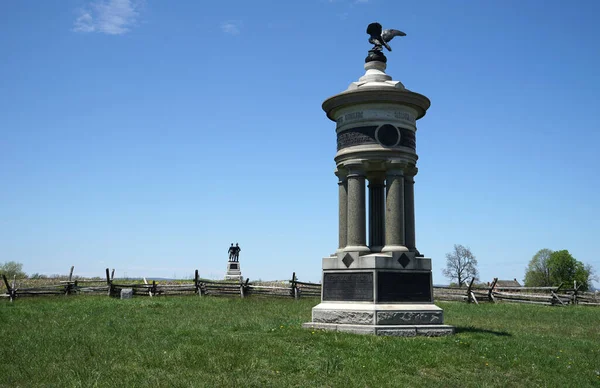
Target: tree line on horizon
13, 269
546, 268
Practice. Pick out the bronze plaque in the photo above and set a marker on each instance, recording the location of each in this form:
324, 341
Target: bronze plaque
404, 287
348, 286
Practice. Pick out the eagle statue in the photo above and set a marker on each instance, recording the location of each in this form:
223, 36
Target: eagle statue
380, 37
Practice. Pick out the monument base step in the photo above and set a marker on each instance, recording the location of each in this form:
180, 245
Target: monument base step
394, 319
388, 330
378, 314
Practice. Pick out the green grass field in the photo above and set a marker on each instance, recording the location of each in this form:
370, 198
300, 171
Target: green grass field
86, 341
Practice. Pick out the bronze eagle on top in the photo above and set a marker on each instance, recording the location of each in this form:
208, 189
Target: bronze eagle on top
380, 37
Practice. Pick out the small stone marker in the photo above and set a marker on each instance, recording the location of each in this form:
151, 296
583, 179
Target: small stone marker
126, 293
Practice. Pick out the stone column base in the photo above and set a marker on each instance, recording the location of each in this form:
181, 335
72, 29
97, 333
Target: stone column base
390, 330
406, 320
380, 294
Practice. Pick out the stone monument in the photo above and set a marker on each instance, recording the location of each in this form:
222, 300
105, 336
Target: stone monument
233, 265
383, 286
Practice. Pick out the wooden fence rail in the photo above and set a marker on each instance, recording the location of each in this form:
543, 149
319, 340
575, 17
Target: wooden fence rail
552, 296
201, 287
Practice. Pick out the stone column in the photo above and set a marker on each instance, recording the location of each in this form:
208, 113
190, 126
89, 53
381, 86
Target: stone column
357, 223
343, 208
376, 211
394, 210
409, 209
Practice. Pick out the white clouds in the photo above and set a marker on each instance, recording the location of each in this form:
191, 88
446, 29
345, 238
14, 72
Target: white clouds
84, 23
231, 27
112, 17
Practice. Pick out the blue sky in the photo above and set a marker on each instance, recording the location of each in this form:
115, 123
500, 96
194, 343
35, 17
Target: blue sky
146, 136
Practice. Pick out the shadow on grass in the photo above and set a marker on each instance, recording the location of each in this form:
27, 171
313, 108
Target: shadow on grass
471, 329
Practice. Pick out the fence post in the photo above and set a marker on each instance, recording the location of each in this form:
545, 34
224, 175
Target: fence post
146, 283
555, 297
11, 291
196, 284
575, 293
470, 296
109, 281
243, 287
491, 290
69, 285
294, 290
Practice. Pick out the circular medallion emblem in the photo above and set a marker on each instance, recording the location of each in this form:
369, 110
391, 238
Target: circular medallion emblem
387, 135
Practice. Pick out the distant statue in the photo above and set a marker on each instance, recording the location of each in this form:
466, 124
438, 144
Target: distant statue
231, 252
236, 255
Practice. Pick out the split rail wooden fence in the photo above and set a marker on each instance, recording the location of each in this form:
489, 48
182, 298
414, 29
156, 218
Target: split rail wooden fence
551, 296
63, 287
201, 287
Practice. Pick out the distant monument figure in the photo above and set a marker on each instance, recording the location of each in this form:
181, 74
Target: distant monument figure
233, 266
231, 252
236, 255
377, 282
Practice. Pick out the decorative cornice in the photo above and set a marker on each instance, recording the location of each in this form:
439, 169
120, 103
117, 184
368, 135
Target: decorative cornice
377, 95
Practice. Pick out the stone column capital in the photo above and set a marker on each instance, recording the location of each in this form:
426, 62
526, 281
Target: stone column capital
341, 173
355, 167
410, 171
376, 178
395, 168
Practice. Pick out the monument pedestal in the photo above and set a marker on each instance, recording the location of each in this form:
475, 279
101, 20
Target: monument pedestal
381, 294
233, 271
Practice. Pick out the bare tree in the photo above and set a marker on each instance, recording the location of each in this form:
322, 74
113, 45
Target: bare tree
461, 264
538, 270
